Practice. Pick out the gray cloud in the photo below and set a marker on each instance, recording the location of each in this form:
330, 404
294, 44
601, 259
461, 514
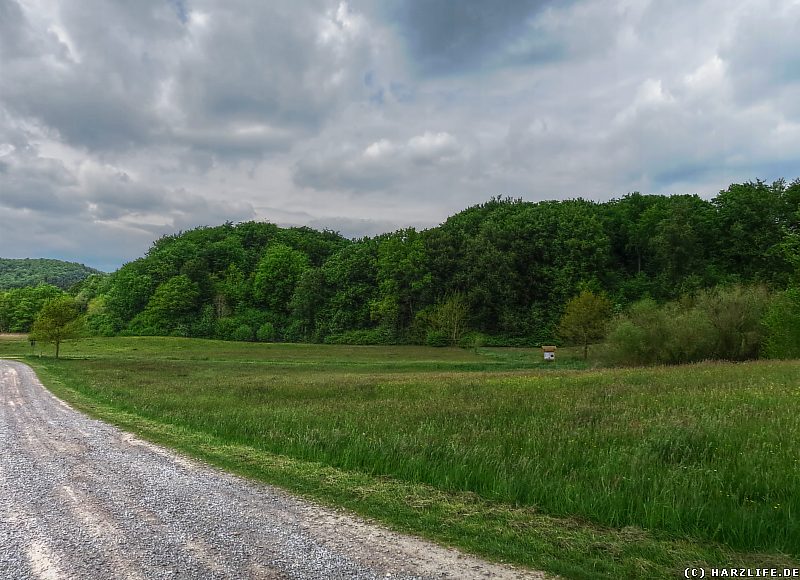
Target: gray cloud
358, 228
762, 58
381, 163
121, 121
446, 36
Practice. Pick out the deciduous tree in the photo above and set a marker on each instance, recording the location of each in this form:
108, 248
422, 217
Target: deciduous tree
57, 321
585, 319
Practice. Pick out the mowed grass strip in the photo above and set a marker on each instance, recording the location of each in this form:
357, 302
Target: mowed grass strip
704, 458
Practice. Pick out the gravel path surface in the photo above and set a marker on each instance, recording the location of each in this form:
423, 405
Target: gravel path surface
82, 499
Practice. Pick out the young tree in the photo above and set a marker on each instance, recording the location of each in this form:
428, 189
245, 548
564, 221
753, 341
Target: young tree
57, 321
450, 317
585, 319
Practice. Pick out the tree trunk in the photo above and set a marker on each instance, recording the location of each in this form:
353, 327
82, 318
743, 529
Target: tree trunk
58, 344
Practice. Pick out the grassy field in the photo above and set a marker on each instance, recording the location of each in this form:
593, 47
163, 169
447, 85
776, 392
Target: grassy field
582, 472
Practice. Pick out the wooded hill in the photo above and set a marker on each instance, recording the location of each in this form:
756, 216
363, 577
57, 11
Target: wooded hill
32, 272
505, 268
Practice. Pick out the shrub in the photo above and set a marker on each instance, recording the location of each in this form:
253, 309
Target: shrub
473, 340
722, 323
372, 336
782, 326
635, 337
437, 338
266, 332
735, 314
243, 333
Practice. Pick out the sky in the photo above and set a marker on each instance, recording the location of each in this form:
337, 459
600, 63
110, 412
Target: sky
124, 121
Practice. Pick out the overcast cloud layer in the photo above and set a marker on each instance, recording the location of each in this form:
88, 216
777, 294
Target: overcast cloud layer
121, 121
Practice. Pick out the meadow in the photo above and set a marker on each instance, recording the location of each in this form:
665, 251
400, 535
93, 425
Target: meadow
579, 471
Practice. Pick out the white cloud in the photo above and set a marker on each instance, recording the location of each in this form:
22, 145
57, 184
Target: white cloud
434, 148
379, 149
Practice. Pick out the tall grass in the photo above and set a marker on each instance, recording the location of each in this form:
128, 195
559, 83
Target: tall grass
707, 452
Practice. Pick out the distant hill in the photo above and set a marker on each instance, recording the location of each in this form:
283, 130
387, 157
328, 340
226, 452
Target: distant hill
31, 272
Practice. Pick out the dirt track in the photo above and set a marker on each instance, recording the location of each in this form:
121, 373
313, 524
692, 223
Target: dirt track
82, 499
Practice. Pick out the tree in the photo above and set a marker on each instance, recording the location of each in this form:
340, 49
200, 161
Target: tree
20, 307
174, 302
308, 297
57, 321
277, 275
450, 317
403, 278
350, 279
585, 319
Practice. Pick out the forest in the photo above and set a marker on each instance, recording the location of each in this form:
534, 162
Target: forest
31, 272
498, 273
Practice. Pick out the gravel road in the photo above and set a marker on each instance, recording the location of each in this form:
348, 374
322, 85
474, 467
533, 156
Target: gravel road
82, 499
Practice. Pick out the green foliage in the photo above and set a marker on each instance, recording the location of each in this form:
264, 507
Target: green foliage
735, 314
129, 290
244, 325
57, 321
512, 265
266, 332
437, 338
172, 305
449, 320
722, 323
350, 277
585, 320
242, 333
20, 307
402, 280
375, 336
782, 326
33, 272
277, 276
307, 303
97, 321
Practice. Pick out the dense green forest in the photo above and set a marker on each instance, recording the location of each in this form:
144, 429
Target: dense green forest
32, 272
500, 272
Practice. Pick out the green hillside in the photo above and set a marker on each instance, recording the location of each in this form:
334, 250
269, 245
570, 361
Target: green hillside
32, 272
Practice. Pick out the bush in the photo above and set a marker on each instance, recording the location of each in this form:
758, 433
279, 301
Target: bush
736, 314
266, 332
242, 333
101, 325
722, 323
205, 325
505, 340
181, 330
225, 327
373, 336
473, 340
688, 335
437, 338
782, 326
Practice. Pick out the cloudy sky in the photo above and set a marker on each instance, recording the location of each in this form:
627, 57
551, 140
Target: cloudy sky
121, 121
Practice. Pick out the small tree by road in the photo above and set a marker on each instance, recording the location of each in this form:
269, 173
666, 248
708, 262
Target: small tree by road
585, 320
57, 321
